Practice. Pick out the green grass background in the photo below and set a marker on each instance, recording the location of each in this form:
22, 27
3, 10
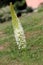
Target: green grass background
33, 54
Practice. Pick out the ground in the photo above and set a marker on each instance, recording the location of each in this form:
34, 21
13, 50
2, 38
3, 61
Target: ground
33, 54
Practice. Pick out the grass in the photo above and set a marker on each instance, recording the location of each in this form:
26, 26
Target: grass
33, 54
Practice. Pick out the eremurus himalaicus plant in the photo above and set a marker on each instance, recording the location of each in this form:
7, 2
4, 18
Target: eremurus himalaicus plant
18, 29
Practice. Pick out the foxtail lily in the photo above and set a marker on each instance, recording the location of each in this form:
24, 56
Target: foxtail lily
18, 29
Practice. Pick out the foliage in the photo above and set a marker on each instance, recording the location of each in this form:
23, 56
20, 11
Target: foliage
18, 5
29, 9
40, 9
6, 2
33, 55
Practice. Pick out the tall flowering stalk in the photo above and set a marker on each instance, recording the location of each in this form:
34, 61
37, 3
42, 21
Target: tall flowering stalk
18, 30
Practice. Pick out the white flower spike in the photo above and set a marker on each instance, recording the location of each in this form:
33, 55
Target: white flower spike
18, 30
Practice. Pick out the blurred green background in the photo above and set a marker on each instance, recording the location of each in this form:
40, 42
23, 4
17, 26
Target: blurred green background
19, 6
32, 23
